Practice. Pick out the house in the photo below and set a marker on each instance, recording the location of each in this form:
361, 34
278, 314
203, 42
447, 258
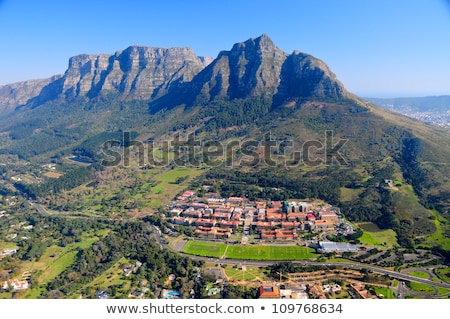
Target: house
327, 215
260, 204
178, 220
296, 217
16, 285
221, 216
268, 234
322, 225
174, 212
238, 201
229, 223
290, 225
276, 204
269, 292
265, 225
193, 213
275, 217
204, 222
286, 234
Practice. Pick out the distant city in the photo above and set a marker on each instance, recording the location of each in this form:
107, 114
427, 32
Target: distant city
432, 109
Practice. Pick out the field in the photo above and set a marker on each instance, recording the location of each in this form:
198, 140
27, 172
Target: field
218, 250
270, 252
443, 274
349, 194
54, 261
419, 274
440, 237
374, 236
246, 274
204, 249
386, 292
53, 175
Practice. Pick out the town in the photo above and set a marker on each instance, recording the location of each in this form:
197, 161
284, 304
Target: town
214, 217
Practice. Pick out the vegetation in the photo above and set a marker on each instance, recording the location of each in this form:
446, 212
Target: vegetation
260, 252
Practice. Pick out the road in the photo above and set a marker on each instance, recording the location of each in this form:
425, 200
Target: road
378, 270
394, 274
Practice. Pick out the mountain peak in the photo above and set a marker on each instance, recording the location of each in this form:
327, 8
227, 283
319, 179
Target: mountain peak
261, 43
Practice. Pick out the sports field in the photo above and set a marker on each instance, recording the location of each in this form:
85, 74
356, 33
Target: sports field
218, 250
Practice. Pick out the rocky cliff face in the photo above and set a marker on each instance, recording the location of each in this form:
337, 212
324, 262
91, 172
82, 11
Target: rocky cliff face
13, 95
134, 73
174, 76
257, 67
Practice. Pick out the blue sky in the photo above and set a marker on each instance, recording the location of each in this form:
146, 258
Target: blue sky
378, 48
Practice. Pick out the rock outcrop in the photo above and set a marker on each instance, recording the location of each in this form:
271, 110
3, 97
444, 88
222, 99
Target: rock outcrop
173, 76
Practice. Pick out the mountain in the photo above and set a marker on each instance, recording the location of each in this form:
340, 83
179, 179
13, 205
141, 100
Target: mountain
327, 142
13, 95
257, 68
136, 73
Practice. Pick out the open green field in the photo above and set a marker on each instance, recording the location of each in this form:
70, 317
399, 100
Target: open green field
419, 274
270, 252
442, 227
205, 249
443, 274
168, 186
374, 236
248, 274
349, 194
218, 250
112, 276
54, 261
386, 292
420, 287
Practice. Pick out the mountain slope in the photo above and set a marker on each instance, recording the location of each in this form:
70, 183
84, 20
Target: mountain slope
254, 92
136, 73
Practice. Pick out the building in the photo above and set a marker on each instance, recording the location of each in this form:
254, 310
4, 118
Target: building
329, 246
269, 292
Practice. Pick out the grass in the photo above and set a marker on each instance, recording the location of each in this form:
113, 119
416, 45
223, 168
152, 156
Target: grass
270, 252
349, 194
420, 287
55, 260
419, 274
443, 274
204, 249
407, 206
217, 250
386, 292
374, 236
439, 237
249, 274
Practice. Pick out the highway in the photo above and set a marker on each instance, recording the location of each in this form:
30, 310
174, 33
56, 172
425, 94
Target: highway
382, 271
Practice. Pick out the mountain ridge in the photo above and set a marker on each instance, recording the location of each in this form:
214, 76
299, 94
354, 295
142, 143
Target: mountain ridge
254, 91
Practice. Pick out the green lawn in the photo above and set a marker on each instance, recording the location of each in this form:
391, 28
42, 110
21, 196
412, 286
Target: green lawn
205, 249
439, 237
386, 292
250, 273
270, 252
349, 194
374, 236
443, 274
419, 274
217, 250
420, 287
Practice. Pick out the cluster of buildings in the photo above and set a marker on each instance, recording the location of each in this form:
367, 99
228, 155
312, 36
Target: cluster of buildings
15, 285
218, 218
297, 291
